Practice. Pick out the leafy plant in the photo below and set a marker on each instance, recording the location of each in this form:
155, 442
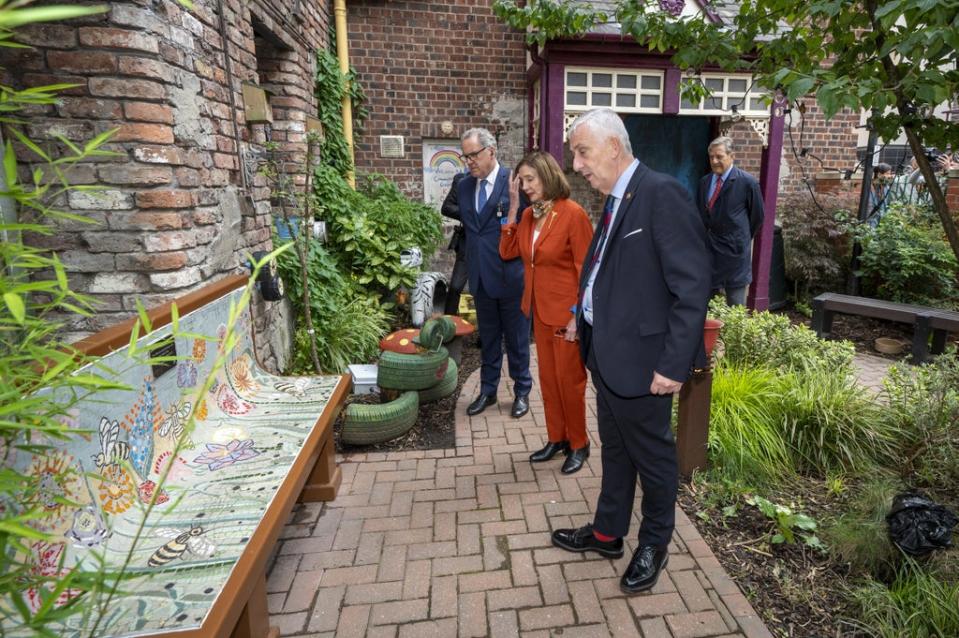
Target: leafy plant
906, 258
923, 403
745, 436
917, 604
763, 339
860, 535
816, 241
331, 86
788, 523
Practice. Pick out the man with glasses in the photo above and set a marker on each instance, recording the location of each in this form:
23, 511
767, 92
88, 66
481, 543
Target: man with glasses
496, 285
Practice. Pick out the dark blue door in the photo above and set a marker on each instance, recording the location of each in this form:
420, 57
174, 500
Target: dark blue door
672, 144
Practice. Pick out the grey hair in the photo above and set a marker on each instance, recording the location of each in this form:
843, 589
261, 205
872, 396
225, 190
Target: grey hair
603, 121
482, 135
724, 141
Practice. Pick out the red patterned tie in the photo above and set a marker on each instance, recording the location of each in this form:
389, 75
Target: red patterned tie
712, 198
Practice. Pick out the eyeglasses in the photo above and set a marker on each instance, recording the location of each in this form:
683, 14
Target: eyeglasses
471, 157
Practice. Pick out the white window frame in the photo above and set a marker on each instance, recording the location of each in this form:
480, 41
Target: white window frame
613, 90
729, 98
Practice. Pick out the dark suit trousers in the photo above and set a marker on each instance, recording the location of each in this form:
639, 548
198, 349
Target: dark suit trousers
502, 320
637, 439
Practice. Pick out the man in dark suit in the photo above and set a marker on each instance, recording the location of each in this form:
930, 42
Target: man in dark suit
496, 284
643, 295
731, 206
451, 210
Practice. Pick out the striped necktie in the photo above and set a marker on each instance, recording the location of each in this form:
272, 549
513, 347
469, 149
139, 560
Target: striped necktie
601, 244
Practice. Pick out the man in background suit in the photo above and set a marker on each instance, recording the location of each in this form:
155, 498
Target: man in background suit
731, 206
643, 294
496, 284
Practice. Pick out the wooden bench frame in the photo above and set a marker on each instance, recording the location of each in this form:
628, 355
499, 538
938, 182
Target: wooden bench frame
240, 611
926, 320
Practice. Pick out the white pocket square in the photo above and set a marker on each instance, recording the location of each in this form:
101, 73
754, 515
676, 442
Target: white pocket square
638, 230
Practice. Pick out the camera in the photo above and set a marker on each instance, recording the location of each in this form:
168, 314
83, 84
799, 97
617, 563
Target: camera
932, 154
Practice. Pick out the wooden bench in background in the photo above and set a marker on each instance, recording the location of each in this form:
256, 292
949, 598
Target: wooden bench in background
926, 321
260, 443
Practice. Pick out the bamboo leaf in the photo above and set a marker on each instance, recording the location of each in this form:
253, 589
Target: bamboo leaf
16, 306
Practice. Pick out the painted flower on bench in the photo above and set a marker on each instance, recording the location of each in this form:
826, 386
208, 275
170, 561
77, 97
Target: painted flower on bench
219, 456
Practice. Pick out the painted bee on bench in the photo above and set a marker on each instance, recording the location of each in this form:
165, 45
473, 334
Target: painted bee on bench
296, 388
176, 420
113, 450
192, 541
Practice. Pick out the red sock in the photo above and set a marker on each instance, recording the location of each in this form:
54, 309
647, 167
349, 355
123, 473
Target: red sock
603, 537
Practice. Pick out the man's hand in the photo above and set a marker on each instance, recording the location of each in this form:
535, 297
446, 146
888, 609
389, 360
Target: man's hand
662, 385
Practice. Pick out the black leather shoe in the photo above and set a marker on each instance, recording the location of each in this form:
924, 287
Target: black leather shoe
548, 452
520, 406
644, 569
582, 540
481, 403
575, 460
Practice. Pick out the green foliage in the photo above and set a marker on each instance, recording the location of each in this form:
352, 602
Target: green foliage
833, 426
923, 402
368, 230
907, 259
816, 241
859, 537
745, 435
348, 323
763, 339
917, 604
552, 19
331, 86
788, 523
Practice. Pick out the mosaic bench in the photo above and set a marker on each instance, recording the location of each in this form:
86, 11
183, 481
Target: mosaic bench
260, 442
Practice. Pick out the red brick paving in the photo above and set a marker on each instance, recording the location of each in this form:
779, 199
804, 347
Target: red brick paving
456, 542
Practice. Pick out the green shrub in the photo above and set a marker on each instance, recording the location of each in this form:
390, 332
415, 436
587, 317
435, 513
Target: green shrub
369, 230
763, 339
816, 240
907, 259
348, 322
918, 604
833, 426
923, 403
860, 535
745, 435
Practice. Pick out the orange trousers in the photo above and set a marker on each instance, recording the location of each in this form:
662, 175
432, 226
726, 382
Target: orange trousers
562, 381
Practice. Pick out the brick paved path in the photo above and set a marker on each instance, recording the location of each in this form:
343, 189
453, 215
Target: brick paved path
871, 370
457, 543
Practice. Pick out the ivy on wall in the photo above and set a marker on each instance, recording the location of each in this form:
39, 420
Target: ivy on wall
331, 86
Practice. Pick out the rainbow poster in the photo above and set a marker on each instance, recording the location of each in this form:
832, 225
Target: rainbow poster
441, 161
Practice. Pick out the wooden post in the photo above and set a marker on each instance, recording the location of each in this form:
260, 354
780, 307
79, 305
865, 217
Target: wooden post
692, 433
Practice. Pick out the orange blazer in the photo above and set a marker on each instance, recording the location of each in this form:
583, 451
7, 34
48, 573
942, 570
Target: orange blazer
552, 270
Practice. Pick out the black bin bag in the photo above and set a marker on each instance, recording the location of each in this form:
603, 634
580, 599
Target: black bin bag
918, 525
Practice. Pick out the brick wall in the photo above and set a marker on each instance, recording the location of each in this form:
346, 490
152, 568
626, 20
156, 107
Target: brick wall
832, 145
175, 210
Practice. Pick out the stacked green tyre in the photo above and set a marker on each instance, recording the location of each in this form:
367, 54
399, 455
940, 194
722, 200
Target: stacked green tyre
432, 335
411, 371
366, 424
444, 388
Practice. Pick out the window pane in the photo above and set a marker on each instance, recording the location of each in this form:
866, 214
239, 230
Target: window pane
714, 103
757, 104
576, 99
649, 101
602, 80
626, 81
714, 84
737, 86
650, 82
576, 79
686, 104
602, 99
626, 100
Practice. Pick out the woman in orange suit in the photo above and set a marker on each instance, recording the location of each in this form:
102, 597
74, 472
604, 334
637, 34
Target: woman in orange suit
552, 238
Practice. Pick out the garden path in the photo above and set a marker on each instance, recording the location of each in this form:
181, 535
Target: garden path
871, 370
457, 543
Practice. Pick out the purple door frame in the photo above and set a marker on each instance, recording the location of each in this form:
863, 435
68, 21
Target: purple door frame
758, 298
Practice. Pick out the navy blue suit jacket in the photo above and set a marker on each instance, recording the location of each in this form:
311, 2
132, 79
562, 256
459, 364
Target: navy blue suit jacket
735, 219
652, 288
500, 278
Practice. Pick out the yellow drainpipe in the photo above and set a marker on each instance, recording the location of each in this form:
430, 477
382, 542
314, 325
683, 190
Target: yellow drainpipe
343, 53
